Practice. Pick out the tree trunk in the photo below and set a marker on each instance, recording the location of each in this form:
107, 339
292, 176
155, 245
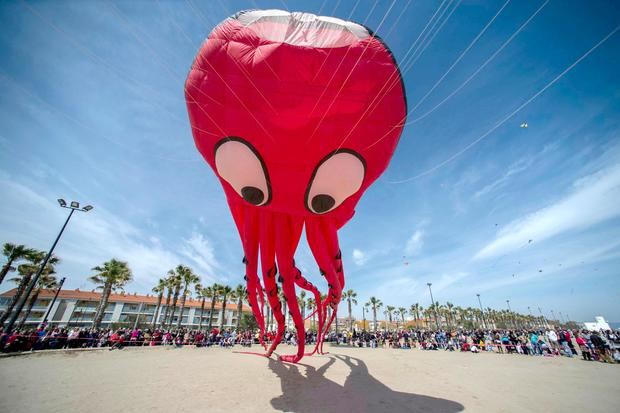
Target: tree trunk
223, 312
182, 307
175, 298
159, 298
202, 313
350, 316
239, 308
374, 318
33, 299
5, 270
165, 317
285, 314
105, 295
211, 315
23, 283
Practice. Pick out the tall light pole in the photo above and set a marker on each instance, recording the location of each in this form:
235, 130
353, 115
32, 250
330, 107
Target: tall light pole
74, 206
484, 323
434, 305
529, 310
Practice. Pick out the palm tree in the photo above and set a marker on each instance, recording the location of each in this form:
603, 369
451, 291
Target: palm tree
213, 293
389, 309
159, 289
45, 281
311, 304
365, 308
170, 287
188, 278
177, 283
301, 301
282, 299
240, 293
350, 296
374, 303
403, 312
225, 292
414, 310
13, 253
26, 271
112, 275
200, 294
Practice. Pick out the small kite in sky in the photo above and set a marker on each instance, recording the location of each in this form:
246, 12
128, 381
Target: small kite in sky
524, 125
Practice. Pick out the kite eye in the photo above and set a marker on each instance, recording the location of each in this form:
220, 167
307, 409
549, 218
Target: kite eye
238, 163
337, 177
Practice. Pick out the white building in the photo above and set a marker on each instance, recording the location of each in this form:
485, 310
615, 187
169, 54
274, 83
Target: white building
77, 308
598, 324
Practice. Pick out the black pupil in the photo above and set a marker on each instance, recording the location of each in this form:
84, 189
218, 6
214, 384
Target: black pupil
252, 194
322, 203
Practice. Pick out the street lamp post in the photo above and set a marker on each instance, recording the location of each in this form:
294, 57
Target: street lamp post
484, 323
74, 206
47, 314
434, 305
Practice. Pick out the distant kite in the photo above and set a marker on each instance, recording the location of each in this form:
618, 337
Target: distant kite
524, 125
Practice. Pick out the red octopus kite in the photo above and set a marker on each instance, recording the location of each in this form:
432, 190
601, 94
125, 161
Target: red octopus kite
297, 115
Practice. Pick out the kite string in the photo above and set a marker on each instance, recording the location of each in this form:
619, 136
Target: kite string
475, 73
402, 123
458, 59
368, 43
514, 112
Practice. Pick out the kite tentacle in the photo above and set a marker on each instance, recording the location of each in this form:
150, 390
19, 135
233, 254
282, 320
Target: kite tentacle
270, 270
255, 290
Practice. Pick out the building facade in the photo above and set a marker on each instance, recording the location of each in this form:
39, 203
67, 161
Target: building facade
75, 308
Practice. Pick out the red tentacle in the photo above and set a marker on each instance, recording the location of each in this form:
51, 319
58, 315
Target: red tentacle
269, 270
289, 231
302, 282
250, 247
317, 241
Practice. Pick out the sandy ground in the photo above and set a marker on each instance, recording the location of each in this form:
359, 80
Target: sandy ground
346, 380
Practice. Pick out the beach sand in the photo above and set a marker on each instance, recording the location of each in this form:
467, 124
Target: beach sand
346, 380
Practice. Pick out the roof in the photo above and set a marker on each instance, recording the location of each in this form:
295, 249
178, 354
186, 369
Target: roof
77, 294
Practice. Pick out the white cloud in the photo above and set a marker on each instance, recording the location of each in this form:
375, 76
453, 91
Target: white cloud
199, 249
517, 167
414, 243
359, 258
594, 199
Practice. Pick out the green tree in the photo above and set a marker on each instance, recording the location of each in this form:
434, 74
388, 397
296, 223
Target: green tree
188, 278
351, 297
390, 309
170, 288
159, 289
13, 254
177, 283
46, 280
110, 276
212, 292
311, 305
25, 273
225, 293
241, 294
374, 303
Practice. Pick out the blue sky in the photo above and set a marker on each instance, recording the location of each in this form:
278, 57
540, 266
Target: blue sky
92, 109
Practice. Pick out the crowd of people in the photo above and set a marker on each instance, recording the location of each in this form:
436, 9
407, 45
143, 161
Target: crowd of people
590, 345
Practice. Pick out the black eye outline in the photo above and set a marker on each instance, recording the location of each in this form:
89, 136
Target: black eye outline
260, 160
316, 169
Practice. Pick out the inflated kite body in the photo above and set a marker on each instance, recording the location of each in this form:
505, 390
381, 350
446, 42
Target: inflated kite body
297, 115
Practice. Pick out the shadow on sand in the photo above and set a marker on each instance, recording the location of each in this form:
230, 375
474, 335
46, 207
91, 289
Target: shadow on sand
361, 392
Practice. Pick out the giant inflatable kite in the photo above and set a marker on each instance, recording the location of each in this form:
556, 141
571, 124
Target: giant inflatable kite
297, 115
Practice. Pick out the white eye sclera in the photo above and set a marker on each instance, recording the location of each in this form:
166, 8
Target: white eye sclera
239, 164
336, 178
